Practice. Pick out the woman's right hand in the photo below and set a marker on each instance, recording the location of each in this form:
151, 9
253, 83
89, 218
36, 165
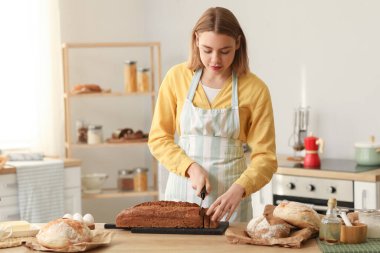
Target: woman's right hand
199, 178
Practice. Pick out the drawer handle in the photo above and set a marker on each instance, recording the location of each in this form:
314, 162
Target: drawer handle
10, 217
13, 216
12, 185
364, 199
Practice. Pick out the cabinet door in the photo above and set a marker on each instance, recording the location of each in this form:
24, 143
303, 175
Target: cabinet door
262, 198
8, 201
73, 197
9, 213
8, 185
73, 200
72, 177
367, 195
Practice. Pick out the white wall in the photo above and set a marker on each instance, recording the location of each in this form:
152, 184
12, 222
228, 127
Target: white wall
336, 42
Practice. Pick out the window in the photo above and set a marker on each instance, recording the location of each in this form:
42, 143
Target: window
30, 77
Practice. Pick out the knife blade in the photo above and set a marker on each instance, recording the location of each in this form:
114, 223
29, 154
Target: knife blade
203, 195
201, 211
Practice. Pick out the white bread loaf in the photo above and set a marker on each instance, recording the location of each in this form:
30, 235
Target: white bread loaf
259, 228
297, 214
62, 233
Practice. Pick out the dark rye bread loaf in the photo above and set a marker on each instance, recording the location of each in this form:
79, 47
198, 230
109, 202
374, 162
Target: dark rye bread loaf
164, 214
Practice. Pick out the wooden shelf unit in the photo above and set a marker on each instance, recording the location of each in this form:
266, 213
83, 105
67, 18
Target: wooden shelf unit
155, 69
114, 193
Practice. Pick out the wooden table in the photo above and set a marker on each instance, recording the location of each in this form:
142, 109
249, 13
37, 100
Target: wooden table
125, 241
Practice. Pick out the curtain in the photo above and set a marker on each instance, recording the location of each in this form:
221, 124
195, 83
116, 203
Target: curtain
31, 81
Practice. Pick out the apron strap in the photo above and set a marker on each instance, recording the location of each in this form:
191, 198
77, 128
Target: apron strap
194, 84
234, 102
197, 77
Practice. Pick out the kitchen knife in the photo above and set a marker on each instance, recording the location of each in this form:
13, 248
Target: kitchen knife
202, 212
203, 195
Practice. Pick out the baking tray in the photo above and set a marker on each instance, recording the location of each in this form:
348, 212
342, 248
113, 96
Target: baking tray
223, 225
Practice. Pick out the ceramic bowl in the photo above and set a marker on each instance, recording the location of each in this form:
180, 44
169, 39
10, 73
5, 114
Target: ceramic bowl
93, 183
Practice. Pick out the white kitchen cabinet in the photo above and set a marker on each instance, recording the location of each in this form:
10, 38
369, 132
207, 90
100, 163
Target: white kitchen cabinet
9, 209
8, 198
367, 195
73, 200
262, 198
73, 195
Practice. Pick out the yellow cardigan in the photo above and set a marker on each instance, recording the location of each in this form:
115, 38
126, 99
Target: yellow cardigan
256, 124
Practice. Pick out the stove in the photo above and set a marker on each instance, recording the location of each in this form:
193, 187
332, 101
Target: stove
316, 191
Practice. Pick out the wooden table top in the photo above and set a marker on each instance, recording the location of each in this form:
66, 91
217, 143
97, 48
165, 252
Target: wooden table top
125, 241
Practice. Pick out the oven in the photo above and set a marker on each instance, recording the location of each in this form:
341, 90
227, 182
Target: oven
312, 191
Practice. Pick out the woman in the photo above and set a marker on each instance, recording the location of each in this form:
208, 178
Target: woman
215, 105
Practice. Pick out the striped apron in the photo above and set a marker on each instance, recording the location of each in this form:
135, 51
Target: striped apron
210, 137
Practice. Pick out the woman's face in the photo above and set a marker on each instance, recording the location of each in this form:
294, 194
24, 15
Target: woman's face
217, 51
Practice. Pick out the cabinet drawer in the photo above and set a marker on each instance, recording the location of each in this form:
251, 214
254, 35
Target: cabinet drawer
9, 213
8, 201
8, 185
72, 177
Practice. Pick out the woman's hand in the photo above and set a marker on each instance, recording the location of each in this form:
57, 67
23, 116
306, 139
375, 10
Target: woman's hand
226, 203
199, 178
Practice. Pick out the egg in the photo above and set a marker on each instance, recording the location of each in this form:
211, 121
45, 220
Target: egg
67, 216
88, 219
77, 217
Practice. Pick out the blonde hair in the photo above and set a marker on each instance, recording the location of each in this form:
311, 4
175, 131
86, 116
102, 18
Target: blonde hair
222, 21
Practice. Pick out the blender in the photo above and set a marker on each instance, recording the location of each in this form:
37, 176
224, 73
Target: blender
300, 128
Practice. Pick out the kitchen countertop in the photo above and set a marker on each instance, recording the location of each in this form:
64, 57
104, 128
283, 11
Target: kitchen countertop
125, 241
366, 176
68, 163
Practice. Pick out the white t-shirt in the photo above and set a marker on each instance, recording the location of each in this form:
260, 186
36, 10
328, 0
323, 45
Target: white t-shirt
210, 92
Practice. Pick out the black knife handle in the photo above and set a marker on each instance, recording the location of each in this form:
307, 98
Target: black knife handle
203, 192
109, 226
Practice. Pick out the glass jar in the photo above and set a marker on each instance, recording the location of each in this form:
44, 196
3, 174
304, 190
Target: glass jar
125, 181
143, 82
329, 231
81, 132
141, 179
130, 80
94, 134
372, 219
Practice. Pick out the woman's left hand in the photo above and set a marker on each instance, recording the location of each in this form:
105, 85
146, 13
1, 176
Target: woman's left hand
226, 203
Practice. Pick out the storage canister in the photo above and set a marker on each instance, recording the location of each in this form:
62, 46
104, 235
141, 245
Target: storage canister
143, 82
81, 132
372, 219
130, 78
141, 179
125, 181
94, 134
368, 153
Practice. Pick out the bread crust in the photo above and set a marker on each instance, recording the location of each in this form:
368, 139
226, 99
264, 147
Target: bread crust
297, 214
62, 233
86, 88
260, 228
165, 214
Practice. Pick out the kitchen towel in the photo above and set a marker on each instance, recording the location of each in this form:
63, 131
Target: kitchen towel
40, 190
371, 246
